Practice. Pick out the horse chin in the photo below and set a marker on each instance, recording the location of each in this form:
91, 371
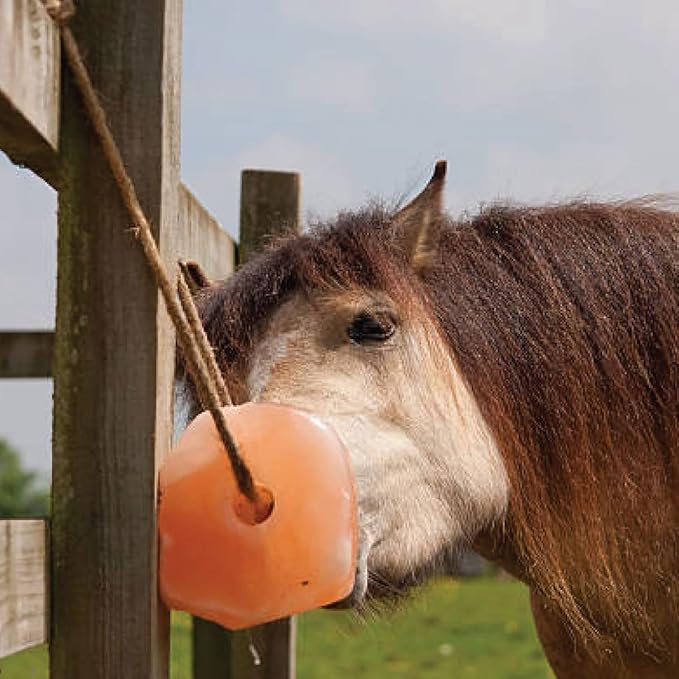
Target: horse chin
356, 597
380, 587
379, 583
373, 590
372, 593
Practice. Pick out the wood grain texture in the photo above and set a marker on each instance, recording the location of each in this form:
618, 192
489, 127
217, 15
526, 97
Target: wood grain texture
23, 585
270, 206
29, 86
26, 354
201, 238
114, 349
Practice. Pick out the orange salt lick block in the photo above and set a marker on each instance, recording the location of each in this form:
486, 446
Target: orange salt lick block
219, 566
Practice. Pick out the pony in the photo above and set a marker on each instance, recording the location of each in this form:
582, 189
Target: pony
507, 381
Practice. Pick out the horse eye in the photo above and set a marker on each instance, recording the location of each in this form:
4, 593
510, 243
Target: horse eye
367, 328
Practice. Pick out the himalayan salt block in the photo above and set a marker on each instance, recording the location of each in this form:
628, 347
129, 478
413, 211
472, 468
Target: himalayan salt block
216, 560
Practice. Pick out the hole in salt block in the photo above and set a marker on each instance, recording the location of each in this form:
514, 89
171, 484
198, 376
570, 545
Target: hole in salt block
258, 511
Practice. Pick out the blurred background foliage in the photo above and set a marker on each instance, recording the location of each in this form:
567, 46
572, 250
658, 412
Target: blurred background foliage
23, 493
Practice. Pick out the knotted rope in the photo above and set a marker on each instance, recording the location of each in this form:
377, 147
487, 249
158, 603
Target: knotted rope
193, 343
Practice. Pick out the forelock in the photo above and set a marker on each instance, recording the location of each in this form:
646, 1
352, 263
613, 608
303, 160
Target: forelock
353, 251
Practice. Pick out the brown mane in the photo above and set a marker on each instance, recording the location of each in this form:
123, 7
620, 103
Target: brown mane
564, 322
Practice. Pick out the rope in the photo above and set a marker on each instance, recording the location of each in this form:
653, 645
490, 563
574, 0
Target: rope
193, 343
204, 346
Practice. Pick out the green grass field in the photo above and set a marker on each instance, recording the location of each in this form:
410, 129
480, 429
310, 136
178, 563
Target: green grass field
479, 628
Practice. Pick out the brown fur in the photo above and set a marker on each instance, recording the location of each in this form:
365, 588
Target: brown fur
564, 321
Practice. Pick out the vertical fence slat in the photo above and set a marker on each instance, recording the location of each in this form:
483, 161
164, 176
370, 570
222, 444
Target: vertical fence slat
270, 205
114, 349
211, 650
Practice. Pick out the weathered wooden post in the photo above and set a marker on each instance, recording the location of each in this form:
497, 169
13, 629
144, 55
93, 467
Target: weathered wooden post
270, 205
114, 348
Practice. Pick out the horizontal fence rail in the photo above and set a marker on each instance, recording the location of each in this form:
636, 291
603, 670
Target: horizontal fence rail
26, 354
201, 238
29, 86
23, 584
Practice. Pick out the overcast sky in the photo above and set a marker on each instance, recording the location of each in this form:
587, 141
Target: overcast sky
533, 100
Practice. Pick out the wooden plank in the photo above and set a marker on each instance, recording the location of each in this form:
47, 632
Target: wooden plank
201, 238
26, 353
23, 585
270, 205
114, 349
29, 86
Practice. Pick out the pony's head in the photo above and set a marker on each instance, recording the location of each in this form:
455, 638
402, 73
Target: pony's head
338, 322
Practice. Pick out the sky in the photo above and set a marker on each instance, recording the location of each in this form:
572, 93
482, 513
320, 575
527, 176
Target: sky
528, 100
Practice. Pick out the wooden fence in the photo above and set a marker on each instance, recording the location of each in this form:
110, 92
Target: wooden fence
87, 583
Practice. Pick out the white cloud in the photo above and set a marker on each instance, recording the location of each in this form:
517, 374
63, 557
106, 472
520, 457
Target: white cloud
344, 87
580, 170
519, 22
515, 21
28, 234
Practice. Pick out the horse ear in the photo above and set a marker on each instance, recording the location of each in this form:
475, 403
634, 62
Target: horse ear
417, 225
194, 275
